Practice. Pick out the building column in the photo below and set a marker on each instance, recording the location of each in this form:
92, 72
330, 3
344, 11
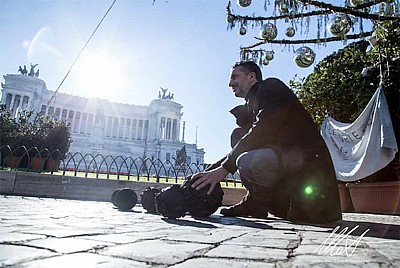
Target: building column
169, 121
21, 100
122, 128
24, 102
174, 129
71, 120
17, 106
12, 102
29, 103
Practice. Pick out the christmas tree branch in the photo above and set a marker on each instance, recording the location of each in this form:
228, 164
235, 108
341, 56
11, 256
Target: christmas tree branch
351, 11
308, 41
326, 9
298, 15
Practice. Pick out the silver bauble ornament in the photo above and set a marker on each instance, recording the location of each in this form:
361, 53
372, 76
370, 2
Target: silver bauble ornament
242, 30
304, 57
265, 62
268, 31
339, 24
269, 55
290, 32
244, 3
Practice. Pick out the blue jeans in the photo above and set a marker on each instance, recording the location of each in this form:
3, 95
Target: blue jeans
260, 166
260, 174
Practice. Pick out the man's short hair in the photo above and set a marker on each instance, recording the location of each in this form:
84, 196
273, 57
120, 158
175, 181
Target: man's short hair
249, 66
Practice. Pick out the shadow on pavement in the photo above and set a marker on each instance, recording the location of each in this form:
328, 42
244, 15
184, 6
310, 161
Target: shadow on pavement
371, 229
191, 223
342, 227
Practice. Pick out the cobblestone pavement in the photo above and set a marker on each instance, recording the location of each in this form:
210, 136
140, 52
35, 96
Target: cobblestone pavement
44, 232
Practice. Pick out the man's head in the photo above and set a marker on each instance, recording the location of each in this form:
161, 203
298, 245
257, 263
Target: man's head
244, 75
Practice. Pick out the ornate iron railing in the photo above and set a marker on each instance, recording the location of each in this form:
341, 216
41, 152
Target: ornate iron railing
100, 166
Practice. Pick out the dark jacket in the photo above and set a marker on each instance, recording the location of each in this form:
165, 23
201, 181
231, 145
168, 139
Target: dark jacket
280, 122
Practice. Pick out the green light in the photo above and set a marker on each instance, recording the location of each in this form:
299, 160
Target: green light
308, 190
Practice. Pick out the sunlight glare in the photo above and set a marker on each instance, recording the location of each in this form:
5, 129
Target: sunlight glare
98, 76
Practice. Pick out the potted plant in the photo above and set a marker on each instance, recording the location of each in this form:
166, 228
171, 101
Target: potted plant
57, 141
380, 192
32, 139
16, 137
346, 203
8, 131
32, 129
340, 88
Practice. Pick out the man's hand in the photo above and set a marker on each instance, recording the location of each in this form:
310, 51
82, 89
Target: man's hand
211, 177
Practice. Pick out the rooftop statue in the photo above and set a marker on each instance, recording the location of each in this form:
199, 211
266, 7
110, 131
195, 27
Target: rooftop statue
32, 70
164, 95
23, 71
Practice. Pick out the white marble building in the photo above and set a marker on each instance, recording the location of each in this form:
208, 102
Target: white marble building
108, 128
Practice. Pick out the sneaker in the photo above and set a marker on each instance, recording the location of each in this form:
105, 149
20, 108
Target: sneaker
250, 206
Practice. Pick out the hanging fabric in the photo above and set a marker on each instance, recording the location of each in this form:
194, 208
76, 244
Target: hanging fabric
365, 146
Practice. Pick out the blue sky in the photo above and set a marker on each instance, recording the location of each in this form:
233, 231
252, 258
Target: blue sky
182, 45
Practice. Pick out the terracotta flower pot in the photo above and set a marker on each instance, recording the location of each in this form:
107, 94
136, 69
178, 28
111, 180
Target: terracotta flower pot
376, 197
52, 165
12, 161
37, 163
345, 199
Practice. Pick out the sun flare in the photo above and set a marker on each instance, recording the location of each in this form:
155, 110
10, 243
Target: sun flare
98, 75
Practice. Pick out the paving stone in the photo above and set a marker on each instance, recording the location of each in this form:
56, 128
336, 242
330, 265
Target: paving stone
84, 260
278, 233
16, 254
59, 232
247, 252
123, 238
157, 251
273, 241
324, 262
340, 255
15, 237
45, 232
67, 245
205, 236
331, 239
214, 262
388, 248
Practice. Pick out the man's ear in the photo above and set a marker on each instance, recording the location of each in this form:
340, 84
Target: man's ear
253, 77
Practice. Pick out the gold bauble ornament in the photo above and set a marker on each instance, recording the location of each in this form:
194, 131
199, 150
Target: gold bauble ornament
269, 55
242, 30
290, 32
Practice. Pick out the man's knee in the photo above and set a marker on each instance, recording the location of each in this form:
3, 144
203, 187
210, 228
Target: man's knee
260, 166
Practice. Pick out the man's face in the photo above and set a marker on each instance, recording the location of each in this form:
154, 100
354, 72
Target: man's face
240, 82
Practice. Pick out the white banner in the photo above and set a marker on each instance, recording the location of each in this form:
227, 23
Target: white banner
365, 146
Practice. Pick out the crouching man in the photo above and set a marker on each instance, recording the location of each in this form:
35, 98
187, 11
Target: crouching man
279, 153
